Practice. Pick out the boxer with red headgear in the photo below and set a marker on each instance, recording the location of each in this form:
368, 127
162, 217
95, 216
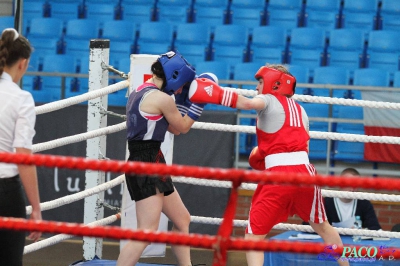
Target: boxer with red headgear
282, 135
276, 81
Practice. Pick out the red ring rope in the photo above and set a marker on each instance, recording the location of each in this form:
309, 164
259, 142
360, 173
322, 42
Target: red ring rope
235, 175
195, 240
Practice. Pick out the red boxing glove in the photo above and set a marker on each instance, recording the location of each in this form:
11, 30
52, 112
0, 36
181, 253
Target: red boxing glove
203, 90
256, 161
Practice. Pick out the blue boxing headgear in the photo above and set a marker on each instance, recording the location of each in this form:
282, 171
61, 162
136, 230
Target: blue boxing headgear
177, 71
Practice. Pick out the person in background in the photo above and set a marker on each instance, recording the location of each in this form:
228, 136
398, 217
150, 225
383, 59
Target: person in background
151, 112
17, 128
342, 212
282, 134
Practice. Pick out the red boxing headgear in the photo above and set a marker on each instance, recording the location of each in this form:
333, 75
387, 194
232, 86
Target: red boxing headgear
276, 81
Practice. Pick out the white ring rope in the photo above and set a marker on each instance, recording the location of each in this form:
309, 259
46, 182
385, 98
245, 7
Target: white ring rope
77, 138
325, 192
328, 100
53, 106
58, 238
303, 228
78, 196
313, 134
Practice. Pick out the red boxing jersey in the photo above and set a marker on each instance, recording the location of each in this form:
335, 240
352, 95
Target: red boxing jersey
291, 137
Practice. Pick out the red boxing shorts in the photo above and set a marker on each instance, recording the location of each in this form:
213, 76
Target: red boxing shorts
273, 204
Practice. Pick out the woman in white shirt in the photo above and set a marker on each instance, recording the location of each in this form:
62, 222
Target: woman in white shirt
17, 128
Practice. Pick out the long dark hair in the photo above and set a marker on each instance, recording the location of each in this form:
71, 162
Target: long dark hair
13, 47
157, 69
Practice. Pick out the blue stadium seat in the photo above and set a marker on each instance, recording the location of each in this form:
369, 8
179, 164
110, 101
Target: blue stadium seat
268, 45
287, 14
323, 14
383, 50
33, 9
138, 2
370, 77
360, 14
193, 41
246, 72
389, 18
6, 22
330, 75
250, 13
137, 11
343, 150
77, 36
81, 85
45, 45
301, 73
122, 36
124, 64
288, 19
82, 29
220, 69
154, 38
316, 109
349, 151
349, 112
121, 49
230, 44
66, 10
307, 47
182, 10
346, 48
285, 4
101, 11
308, 38
57, 64
32, 83
211, 12
46, 27
210, 15
119, 30
318, 147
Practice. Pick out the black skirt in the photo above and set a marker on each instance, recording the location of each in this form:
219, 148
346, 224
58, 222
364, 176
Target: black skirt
144, 186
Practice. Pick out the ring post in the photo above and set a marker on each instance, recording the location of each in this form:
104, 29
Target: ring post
96, 147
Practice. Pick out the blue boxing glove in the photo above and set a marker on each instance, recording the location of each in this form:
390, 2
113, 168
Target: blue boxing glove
185, 106
182, 101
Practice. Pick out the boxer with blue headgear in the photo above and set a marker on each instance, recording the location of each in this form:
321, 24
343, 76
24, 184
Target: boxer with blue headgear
151, 111
177, 71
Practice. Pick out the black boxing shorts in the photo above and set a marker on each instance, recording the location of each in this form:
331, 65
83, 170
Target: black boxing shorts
144, 186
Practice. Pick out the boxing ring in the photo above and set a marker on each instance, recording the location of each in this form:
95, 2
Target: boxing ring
96, 227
